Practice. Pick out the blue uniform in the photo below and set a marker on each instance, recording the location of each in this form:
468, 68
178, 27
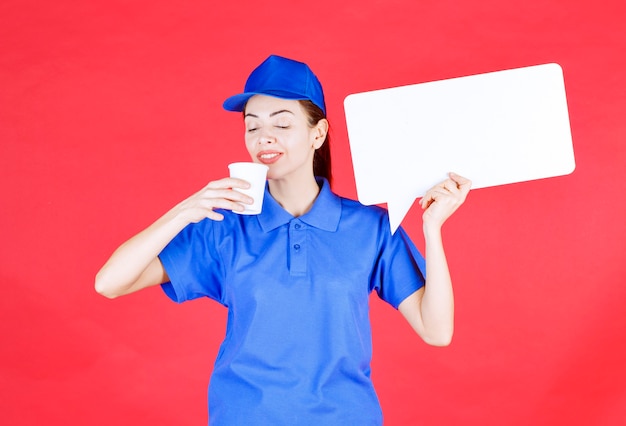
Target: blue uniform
298, 344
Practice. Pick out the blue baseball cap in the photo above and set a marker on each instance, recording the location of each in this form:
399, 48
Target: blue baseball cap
282, 78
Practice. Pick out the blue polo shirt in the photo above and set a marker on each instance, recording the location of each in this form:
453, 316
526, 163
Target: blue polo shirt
298, 342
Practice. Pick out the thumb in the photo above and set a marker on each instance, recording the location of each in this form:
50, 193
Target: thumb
463, 183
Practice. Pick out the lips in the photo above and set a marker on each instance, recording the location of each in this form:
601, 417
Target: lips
269, 157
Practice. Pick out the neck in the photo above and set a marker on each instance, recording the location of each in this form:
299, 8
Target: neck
297, 197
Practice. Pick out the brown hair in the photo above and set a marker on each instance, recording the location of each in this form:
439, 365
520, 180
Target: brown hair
321, 159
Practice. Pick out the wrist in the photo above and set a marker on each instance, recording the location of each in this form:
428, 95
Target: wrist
431, 231
176, 218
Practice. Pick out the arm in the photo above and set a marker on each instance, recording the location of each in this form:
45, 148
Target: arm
430, 310
135, 264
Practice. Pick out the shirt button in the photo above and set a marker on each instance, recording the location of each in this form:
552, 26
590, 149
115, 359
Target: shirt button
296, 246
298, 226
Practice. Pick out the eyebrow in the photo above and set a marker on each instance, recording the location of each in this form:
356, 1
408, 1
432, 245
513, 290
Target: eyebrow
271, 115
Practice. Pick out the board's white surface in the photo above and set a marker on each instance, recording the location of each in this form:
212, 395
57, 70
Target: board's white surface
495, 128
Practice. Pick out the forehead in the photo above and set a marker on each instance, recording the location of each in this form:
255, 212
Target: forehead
262, 105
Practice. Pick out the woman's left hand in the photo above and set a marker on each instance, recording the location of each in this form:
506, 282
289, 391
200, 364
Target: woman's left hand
443, 199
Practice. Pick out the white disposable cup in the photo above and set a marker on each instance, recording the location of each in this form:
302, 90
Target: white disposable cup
255, 174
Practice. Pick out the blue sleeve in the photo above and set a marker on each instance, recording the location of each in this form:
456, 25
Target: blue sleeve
400, 269
193, 264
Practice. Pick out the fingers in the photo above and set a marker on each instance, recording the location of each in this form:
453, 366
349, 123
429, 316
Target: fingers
222, 194
461, 182
227, 183
235, 202
455, 187
456, 182
226, 189
443, 199
226, 199
449, 185
445, 188
433, 194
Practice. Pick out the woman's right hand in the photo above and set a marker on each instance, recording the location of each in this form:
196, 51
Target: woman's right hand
135, 264
218, 194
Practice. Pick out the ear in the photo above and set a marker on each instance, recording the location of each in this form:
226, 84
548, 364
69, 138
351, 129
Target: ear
320, 131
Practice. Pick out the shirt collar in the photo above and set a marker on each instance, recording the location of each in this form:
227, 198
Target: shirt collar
324, 213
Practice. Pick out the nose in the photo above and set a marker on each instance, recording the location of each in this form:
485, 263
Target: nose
265, 137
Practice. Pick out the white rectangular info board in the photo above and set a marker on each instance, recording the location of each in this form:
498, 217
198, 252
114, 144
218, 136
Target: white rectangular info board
495, 128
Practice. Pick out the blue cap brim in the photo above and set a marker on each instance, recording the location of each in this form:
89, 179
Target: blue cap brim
238, 102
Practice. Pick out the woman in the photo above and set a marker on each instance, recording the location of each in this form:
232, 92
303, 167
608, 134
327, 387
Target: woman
296, 278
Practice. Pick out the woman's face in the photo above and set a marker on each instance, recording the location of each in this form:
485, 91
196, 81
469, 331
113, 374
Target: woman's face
278, 135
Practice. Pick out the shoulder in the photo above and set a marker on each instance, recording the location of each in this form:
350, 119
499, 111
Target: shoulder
369, 220
355, 206
370, 215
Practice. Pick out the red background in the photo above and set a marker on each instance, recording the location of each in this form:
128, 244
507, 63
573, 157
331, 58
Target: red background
110, 113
